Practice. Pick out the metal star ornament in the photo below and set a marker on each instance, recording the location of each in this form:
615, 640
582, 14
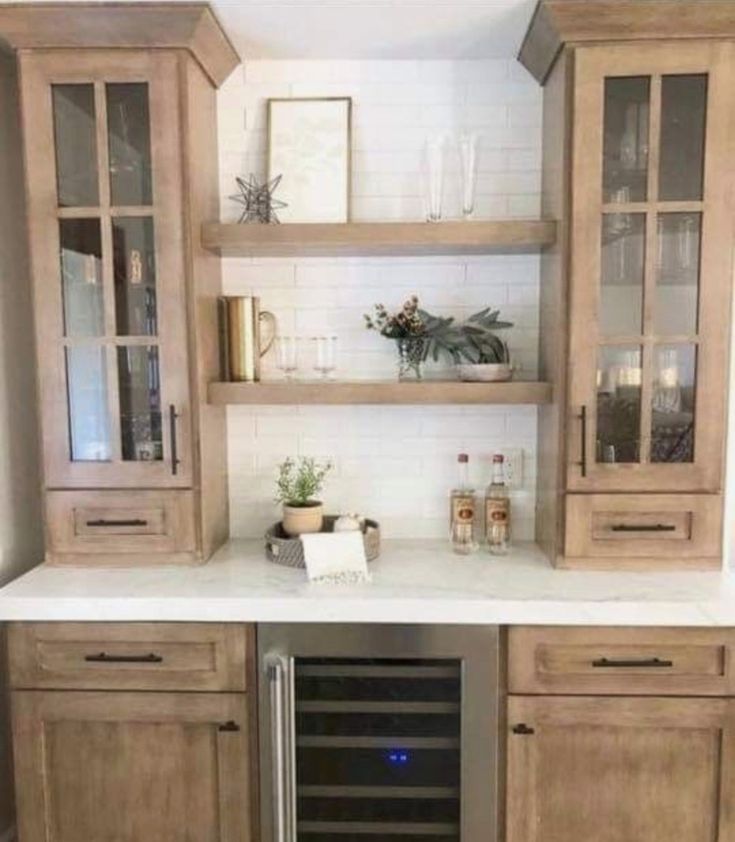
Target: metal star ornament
257, 199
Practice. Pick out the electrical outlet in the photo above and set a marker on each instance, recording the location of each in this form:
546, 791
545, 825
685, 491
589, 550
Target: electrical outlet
513, 463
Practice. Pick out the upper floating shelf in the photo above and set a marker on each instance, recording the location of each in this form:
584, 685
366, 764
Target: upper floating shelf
380, 392
377, 238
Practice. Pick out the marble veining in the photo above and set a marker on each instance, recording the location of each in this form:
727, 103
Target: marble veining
412, 581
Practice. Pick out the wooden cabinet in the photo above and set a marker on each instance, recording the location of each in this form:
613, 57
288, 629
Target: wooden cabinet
638, 152
131, 766
121, 168
619, 734
620, 769
132, 731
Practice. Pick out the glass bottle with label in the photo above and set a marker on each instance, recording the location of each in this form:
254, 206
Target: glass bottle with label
497, 510
462, 512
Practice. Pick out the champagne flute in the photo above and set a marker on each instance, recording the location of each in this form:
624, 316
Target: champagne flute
325, 361
287, 355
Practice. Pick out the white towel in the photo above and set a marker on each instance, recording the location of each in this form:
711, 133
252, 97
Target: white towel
337, 557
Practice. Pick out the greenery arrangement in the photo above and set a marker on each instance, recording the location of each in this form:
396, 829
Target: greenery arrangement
473, 341
299, 484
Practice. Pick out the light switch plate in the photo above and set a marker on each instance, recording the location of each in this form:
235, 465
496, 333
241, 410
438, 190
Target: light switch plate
513, 463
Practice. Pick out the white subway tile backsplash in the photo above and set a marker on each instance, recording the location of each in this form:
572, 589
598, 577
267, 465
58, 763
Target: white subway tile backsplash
392, 463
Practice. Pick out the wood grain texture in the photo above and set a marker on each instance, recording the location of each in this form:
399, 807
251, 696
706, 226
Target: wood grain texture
386, 392
159, 69
165, 523
559, 22
131, 766
554, 309
559, 660
694, 522
189, 26
195, 656
610, 769
704, 473
204, 286
377, 238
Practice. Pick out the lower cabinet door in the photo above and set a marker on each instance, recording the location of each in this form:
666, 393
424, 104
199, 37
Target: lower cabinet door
620, 769
131, 767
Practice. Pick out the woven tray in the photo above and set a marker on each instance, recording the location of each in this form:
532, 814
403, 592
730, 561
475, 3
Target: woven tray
282, 549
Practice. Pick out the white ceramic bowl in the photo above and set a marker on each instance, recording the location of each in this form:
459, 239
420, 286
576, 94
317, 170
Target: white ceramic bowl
485, 372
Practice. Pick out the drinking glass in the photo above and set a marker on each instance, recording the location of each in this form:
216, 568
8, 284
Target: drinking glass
287, 354
325, 359
468, 143
433, 174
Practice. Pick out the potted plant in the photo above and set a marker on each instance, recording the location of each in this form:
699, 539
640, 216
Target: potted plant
472, 346
298, 486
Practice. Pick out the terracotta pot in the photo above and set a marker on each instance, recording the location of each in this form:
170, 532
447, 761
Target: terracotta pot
300, 520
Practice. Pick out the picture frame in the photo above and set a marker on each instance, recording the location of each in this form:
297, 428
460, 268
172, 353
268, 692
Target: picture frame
309, 143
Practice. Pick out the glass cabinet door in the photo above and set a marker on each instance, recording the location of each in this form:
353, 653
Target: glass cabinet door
649, 290
123, 372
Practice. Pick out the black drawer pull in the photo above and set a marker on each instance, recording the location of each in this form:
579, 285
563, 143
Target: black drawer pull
131, 522
522, 729
643, 527
633, 662
229, 727
104, 658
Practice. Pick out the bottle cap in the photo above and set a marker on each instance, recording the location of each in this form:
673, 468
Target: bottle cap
463, 457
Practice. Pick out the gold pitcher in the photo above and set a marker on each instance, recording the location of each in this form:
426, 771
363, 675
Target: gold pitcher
242, 343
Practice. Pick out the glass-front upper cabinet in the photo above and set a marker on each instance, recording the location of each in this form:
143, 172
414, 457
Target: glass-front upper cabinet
114, 383
651, 267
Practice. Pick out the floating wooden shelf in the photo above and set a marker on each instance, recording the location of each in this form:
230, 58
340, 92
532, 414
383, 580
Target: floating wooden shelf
377, 238
380, 392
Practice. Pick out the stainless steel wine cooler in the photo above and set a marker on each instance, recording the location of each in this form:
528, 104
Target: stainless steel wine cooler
385, 732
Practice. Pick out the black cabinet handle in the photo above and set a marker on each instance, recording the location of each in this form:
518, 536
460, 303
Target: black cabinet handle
130, 522
583, 447
643, 527
229, 727
522, 729
104, 658
172, 416
632, 662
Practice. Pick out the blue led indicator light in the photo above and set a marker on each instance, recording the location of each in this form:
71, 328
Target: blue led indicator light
398, 757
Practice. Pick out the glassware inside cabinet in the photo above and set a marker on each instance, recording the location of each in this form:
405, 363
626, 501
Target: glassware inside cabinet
139, 383
75, 145
677, 278
623, 260
134, 265
625, 149
673, 403
619, 380
129, 140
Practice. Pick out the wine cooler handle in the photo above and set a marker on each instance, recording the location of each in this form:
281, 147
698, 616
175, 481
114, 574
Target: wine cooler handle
280, 728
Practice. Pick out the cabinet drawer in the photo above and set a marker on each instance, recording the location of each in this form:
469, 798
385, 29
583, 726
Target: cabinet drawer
621, 661
668, 530
129, 656
99, 523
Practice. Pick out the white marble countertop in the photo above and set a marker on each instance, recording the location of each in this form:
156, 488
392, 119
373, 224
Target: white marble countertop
412, 582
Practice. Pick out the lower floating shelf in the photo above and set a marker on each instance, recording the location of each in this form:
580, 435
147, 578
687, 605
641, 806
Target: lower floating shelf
380, 392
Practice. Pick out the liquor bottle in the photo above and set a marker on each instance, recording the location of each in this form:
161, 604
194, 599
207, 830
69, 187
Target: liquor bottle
462, 510
497, 510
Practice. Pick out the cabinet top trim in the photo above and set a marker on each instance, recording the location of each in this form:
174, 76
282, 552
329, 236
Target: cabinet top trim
188, 26
559, 22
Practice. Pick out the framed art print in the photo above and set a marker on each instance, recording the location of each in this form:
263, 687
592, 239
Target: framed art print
309, 144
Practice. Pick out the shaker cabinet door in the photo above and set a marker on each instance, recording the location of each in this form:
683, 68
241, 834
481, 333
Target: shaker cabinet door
651, 266
104, 185
131, 767
620, 769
